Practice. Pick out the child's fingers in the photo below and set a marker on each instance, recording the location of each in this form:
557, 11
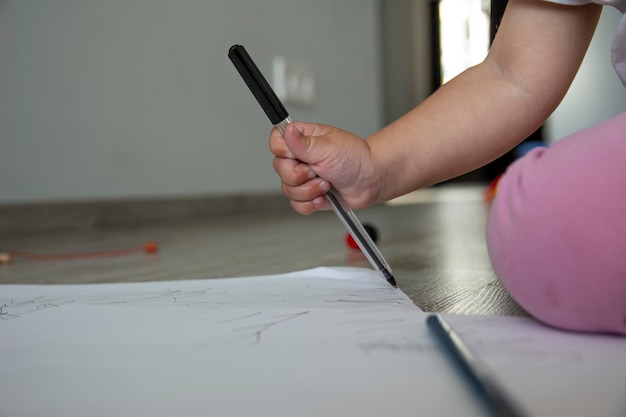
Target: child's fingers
308, 207
278, 146
293, 172
309, 191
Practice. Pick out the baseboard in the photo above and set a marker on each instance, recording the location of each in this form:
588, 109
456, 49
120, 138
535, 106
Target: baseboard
85, 215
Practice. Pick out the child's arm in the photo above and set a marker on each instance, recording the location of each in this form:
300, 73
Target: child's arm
490, 108
473, 119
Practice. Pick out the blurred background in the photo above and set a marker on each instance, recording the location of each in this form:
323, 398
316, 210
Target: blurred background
132, 99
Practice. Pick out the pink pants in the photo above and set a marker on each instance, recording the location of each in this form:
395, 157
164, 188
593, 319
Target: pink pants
557, 230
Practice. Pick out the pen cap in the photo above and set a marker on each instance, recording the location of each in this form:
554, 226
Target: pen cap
257, 84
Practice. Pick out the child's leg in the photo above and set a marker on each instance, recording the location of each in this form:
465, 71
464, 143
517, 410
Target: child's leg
557, 230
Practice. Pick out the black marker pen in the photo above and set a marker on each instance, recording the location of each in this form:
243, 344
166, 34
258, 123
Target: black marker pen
279, 117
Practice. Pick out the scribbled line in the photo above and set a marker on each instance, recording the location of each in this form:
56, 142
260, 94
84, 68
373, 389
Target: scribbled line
16, 308
385, 334
257, 330
241, 318
197, 298
376, 325
171, 295
250, 335
4, 314
367, 297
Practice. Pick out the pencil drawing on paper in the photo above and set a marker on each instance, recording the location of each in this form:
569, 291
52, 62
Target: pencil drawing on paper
14, 308
259, 329
374, 319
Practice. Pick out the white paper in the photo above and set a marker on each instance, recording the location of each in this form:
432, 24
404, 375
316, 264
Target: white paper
322, 342
551, 372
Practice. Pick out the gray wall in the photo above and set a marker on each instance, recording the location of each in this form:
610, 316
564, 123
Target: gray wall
137, 98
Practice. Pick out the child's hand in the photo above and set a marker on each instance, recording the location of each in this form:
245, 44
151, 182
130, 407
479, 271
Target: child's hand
311, 158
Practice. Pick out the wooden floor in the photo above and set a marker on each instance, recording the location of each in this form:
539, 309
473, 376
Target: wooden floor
434, 241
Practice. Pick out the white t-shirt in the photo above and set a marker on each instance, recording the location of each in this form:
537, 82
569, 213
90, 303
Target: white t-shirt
618, 50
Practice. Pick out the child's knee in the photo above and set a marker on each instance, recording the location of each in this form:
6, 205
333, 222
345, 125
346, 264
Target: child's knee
562, 266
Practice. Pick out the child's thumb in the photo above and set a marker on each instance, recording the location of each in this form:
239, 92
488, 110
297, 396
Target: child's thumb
300, 145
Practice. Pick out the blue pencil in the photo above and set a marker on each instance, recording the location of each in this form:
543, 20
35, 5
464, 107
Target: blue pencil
480, 378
